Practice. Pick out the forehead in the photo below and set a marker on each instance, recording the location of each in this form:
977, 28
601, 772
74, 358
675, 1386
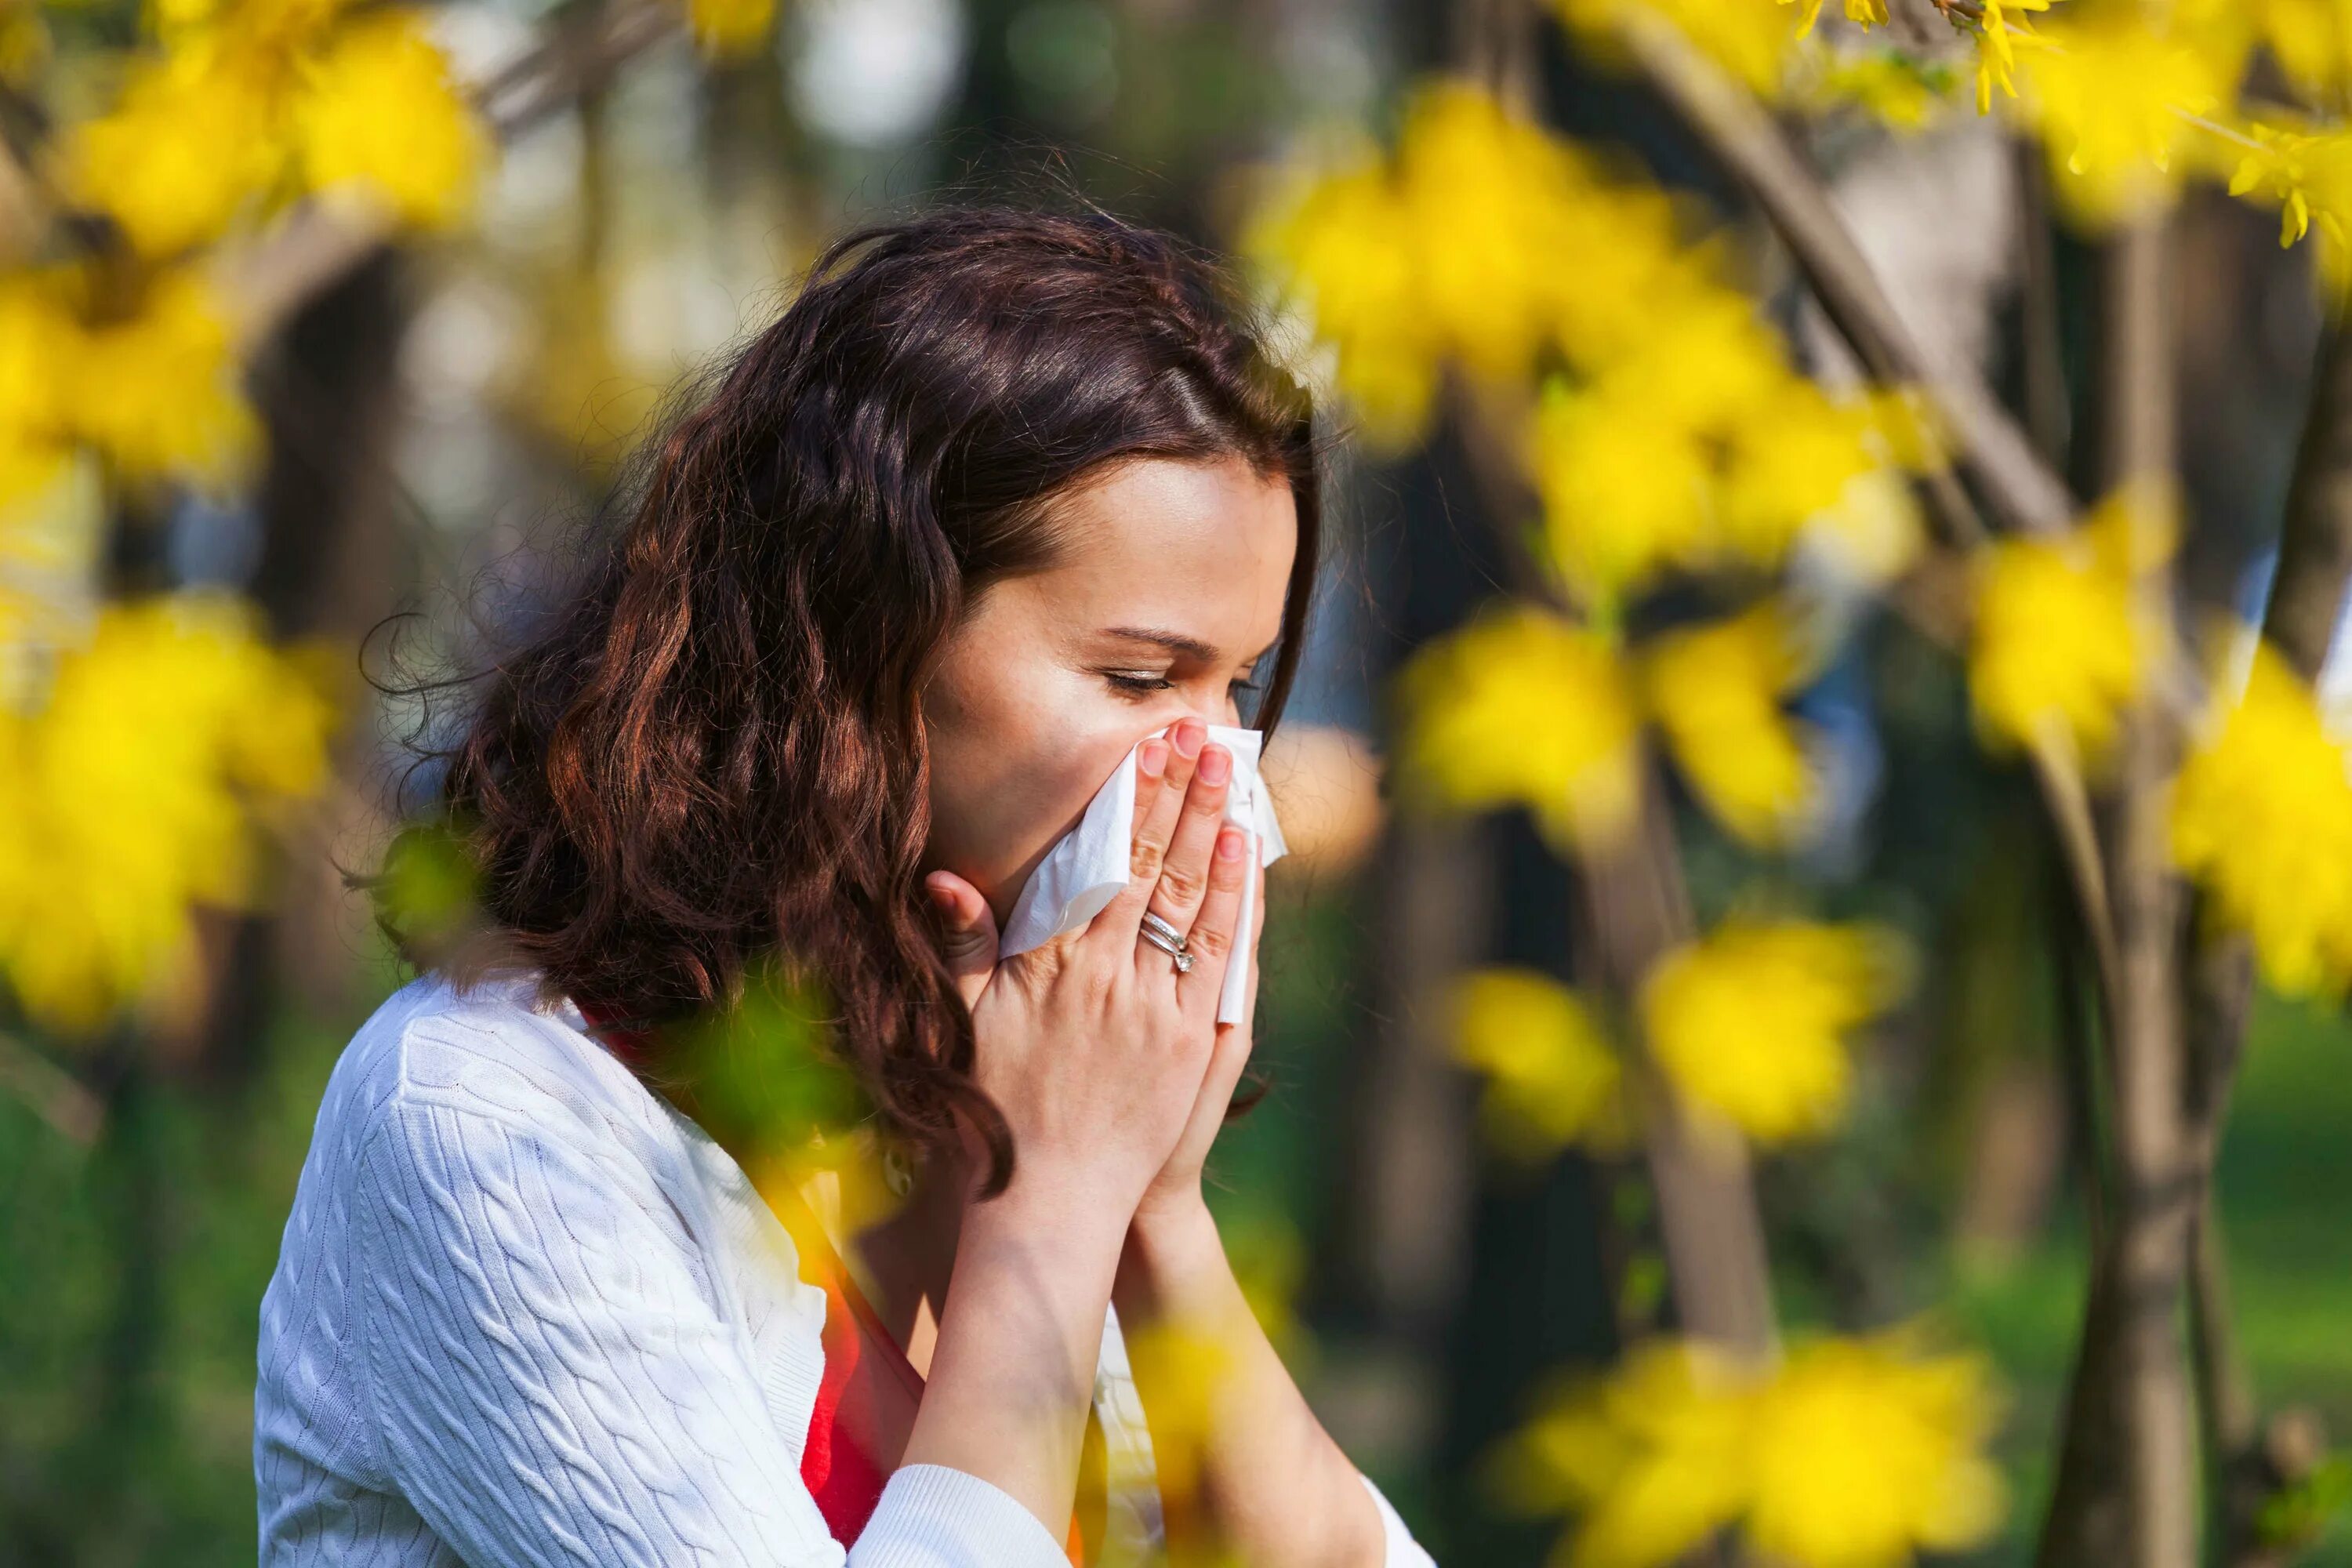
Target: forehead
1201, 548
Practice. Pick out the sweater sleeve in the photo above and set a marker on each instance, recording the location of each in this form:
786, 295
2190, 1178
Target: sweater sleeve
552, 1384
1402, 1551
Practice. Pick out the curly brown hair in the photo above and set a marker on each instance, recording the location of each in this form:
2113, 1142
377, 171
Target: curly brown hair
711, 752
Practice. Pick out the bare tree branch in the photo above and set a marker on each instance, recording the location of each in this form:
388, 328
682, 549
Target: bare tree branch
2020, 486
2127, 1488
56, 1096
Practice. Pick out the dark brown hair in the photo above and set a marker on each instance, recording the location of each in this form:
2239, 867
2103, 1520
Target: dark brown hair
711, 752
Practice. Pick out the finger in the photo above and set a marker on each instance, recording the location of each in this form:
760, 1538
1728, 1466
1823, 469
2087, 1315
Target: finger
1151, 770
1123, 915
1211, 939
967, 931
1184, 876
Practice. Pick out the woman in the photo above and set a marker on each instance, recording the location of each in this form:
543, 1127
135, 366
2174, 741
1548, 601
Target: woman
1001, 499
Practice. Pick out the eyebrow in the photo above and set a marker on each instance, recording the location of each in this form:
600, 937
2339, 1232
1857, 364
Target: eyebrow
1177, 643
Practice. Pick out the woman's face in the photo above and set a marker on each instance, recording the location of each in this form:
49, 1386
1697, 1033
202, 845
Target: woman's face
1168, 594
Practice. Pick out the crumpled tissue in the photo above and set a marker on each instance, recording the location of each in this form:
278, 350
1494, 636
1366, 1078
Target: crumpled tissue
1088, 865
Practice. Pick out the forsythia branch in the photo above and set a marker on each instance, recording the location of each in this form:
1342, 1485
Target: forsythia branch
2020, 485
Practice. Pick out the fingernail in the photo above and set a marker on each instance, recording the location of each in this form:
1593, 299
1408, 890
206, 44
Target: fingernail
1153, 758
1229, 842
1215, 766
1188, 736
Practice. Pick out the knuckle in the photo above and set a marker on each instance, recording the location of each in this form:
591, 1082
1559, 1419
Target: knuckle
1146, 855
1211, 940
1181, 884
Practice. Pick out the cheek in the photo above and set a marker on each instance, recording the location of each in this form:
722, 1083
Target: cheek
1014, 766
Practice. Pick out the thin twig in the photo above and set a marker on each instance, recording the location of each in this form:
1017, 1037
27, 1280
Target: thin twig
56, 1096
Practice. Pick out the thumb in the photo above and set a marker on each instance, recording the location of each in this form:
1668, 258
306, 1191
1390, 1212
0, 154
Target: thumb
967, 931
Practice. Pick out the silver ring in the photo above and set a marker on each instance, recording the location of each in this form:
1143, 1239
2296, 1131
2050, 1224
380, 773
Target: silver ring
1158, 932
1155, 923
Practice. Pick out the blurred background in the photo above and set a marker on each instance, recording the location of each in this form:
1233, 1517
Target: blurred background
431, 403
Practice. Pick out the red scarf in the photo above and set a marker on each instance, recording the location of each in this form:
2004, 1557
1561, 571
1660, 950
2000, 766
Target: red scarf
867, 1396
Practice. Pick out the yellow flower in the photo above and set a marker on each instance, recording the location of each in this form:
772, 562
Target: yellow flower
1522, 707
1792, 462
1743, 38
1715, 692
2308, 173
1181, 1368
2262, 817
1483, 192
1998, 28
1749, 1022
1630, 464
1346, 243
194, 141
138, 787
1869, 13
1652, 1458
384, 123
730, 29
2060, 642
1867, 1450
36, 341
2113, 99
157, 392
1626, 489
1551, 1077
2310, 41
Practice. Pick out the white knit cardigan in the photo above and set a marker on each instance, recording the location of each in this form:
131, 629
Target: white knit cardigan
525, 1312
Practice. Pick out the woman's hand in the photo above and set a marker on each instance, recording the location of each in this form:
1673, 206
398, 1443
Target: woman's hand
1105, 1060
1094, 1048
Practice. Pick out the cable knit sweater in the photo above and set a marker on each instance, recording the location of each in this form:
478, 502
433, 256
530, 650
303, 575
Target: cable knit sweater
525, 1312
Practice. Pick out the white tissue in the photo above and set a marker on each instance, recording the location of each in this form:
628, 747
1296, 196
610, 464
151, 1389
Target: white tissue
1087, 866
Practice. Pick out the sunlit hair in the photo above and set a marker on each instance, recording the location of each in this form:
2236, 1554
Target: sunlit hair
711, 753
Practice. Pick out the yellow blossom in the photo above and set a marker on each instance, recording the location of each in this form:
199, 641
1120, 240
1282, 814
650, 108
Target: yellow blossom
193, 140
1348, 243
1626, 489
1792, 462
1652, 1459
1998, 25
137, 784
1523, 708
1749, 1022
2310, 41
156, 391
1483, 190
2307, 170
1181, 1369
1743, 38
1629, 463
2060, 641
2262, 817
1551, 1077
730, 29
1717, 692
1868, 1450
383, 122
1854, 1453
2114, 98
1868, 12
36, 339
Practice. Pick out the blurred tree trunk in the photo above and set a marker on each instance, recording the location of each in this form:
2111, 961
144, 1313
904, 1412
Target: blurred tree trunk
332, 563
